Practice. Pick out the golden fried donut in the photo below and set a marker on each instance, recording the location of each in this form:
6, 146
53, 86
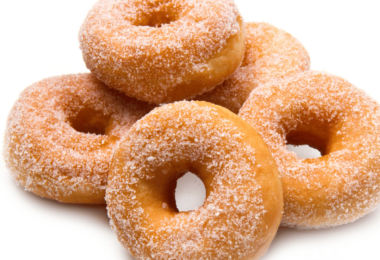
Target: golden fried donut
328, 113
163, 51
61, 133
243, 205
270, 54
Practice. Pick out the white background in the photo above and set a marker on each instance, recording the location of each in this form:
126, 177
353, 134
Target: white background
39, 39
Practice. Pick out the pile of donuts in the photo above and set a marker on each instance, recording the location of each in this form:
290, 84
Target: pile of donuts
181, 85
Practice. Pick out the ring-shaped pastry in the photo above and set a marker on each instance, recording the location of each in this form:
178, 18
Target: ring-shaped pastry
328, 113
243, 205
163, 51
61, 133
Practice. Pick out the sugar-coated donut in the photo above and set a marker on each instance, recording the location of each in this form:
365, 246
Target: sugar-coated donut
328, 113
163, 51
243, 205
61, 133
270, 54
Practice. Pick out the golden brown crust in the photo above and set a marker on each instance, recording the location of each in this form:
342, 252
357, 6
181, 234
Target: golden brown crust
163, 51
47, 147
243, 205
327, 113
270, 54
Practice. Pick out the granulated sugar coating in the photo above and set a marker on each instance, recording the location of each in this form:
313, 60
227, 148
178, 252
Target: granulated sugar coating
243, 205
47, 145
270, 54
163, 51
331, 115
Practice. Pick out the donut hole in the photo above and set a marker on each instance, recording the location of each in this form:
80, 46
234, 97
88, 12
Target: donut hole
304, 151
306, 145
90, 121
177, 191
157, 16
190, 192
